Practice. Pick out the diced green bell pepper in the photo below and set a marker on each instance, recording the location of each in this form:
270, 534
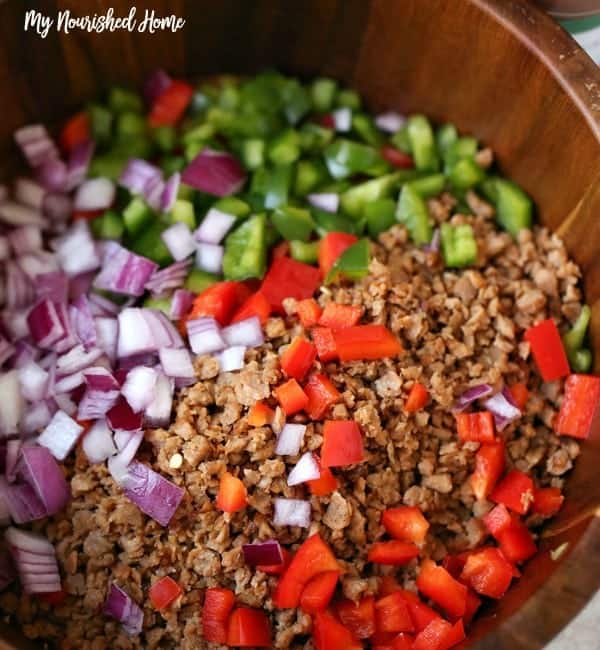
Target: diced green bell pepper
346, 157
108, 226
422, 143
245, 250
354, 200
322, 92
428, 186
121, 100
162, 304
137, 215
347, 98
412, 212
293, 223
199, 134
165, 138
183, 212
445, 136
285, 148
465, 174
353, 263
364, 126
172, 164
380, 215
307, 252
131, 125
273, 185
198, 280
514, 209
579, 358
253, 153
401, 141
150, 244
328, 222
100, 122
461, 149
296, 101
582, 360
314, 137
186, 192
459, 247
232, 205
309, 175
109, 164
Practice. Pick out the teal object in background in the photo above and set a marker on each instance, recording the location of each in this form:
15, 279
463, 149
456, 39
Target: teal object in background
586, 31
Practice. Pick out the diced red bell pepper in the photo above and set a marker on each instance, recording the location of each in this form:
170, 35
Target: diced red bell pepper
548, 350
359, 617
287, 278
436, 583
366, 342
322, 395
515, 491
488, 572
309, 312
277, 569
405, 523
330, 634
403, 642
168, 108
282, 249
218, 301
325, 484
454, 564
455, 635
249, 628
420, 613
326, 120
489, 466
232, 495
291, 397
255, 305
218, 604
394, 552
342, 443
434, 636
547, 501
325, 343
298, 357
387, 585
86, 215
337, 317
312, 558
497, 520
580, 406
54, 598
475, 427
76, 131
473, 604
417, 398
163, 592
516, 542
391, 614
396, 158
260, 414
520, 395
331, 247
318, 592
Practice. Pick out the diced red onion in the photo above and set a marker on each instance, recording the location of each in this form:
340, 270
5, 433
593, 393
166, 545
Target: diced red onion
54, 286
290, 439
266, 553
158, 412
25, 239
209, 257
12, 403
342, 119
470, 396
169, 193
291, 512
60, 435
34, 381
390, 121
152, 493
144, 330
4, 193
120, 606
177, 363
52, 174
24, 352
36, 577
36, 144
138, 388
39, 469
232, 358
19, 289
179, 241
98, 442
214, 227
4, 248
79, 162
328, 201
306, 469
215, 172
137, 173
8, 572
16, 214
155, 85
101, 394
58, 207
169, 278
76, 250
101, 306
16, 324
95, 194
204, 335
77, 359
180, 303
247, 332
153, 192
82, 322
35, 418
65, 403
107, 332
38, 263
503, 409
118, 465
434, 244
122, 416
124, 272
22, 501
68, 383
13, 447
7, 350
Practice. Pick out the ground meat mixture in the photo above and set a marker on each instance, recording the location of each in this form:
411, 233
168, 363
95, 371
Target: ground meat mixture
459, 329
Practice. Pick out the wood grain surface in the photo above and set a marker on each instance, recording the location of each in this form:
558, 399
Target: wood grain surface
499, 69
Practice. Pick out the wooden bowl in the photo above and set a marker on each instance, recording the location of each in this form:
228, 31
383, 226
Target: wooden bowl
499, 69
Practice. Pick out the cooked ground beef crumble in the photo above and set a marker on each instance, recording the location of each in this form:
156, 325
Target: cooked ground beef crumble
459, 329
